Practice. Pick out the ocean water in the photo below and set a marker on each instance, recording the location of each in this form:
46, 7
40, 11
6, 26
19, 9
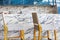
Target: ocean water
24, 2
58, 8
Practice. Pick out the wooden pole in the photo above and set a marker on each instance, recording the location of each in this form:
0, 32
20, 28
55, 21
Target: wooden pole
40, 32
48, 34
35, 21
22, 34
55, 37
34, 35
5, 28
5, 32
37, 27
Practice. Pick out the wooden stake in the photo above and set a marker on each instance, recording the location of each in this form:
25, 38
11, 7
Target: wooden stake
34, 34
35, 21
5, 28
22, 34
55, 37
5, 32
37, 27
48, 34
40, 32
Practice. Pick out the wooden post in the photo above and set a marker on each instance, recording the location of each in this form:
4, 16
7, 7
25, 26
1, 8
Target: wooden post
5, 28
34, 35
35, 21
40, 32
5, 32
55, 37
37, 27
22, 34
48, 34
